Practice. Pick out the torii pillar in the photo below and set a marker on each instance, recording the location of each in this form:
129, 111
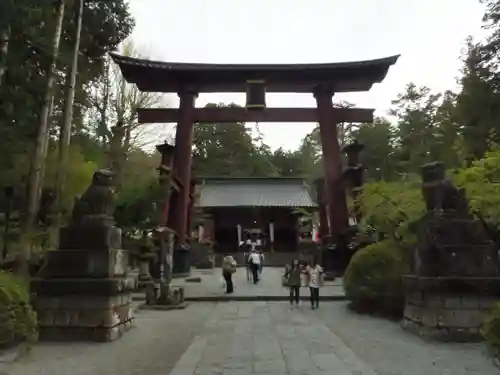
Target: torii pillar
182, 165
334, 186
323, 229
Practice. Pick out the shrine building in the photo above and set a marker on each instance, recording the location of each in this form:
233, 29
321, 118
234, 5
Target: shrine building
275, 214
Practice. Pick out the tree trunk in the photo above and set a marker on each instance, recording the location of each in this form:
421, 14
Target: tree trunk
65, 134
103, 110
4, 50
35, 177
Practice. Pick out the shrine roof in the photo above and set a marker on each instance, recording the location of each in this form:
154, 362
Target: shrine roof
254, 192
157, 76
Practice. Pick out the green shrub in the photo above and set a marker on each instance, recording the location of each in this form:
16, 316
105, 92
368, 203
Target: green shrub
18, 321
373, 279
491, 329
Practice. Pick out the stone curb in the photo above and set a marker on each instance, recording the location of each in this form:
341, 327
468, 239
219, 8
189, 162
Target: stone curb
248, 298
257, 298
143, 307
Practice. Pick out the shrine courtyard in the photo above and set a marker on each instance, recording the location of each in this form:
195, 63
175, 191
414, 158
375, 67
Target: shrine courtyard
257, 338
206, 286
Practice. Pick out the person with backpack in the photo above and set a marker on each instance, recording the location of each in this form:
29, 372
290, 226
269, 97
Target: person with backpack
228, 268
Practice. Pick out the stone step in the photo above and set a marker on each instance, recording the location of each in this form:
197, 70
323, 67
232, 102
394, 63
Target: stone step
227, 298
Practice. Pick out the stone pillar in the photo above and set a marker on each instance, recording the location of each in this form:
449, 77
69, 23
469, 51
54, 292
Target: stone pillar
182, 165
335, 191
167, 157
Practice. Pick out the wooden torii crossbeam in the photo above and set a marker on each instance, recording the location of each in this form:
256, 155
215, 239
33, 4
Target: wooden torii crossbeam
239, 114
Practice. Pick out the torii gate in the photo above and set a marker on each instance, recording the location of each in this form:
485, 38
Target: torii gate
321, 80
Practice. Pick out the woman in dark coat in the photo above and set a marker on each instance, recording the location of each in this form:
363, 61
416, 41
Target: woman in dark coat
292, 275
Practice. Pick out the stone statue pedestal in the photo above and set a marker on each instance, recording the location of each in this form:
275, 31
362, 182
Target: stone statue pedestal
84, 292
448, 308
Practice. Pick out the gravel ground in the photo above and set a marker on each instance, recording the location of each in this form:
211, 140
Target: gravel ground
389, 350
152, 348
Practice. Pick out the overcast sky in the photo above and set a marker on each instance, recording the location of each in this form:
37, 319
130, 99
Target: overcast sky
429, 35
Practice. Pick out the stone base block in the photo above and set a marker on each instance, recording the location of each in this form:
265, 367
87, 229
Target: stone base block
81, 286
87, 318
100, 334
442, 334
444, 314
172, 295
100, 237
88, 263
177, 294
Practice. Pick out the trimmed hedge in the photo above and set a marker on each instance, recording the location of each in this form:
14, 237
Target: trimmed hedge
373, 280
18, 321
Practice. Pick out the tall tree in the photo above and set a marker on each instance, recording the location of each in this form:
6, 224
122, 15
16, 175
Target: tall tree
478, 107
379, 153
414, 111
36, 170
228, 149
65, 132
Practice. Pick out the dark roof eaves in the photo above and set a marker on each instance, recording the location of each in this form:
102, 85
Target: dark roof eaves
385, 63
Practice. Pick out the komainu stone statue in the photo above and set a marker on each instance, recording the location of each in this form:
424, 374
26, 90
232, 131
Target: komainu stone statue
85, 284
455, 270
96, 205
451, 242
439, 192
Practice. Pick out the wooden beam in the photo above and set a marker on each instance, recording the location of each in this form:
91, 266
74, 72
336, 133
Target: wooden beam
239, 114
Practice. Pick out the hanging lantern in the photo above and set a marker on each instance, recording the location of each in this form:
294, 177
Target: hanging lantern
256, 94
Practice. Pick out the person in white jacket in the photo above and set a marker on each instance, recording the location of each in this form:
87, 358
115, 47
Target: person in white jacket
315, 281
255, 261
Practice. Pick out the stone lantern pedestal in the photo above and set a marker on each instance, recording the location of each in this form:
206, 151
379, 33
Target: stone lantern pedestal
160, 295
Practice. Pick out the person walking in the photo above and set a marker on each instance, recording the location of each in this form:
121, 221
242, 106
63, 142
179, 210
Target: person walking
228, 268
254, 260
293, 278
261, 255
315, 281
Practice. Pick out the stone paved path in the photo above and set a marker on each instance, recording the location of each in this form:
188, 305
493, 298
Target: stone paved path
267, 338
244, 338
393, 351
270, 285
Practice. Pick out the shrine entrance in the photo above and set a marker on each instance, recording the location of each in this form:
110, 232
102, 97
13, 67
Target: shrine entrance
188, 80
